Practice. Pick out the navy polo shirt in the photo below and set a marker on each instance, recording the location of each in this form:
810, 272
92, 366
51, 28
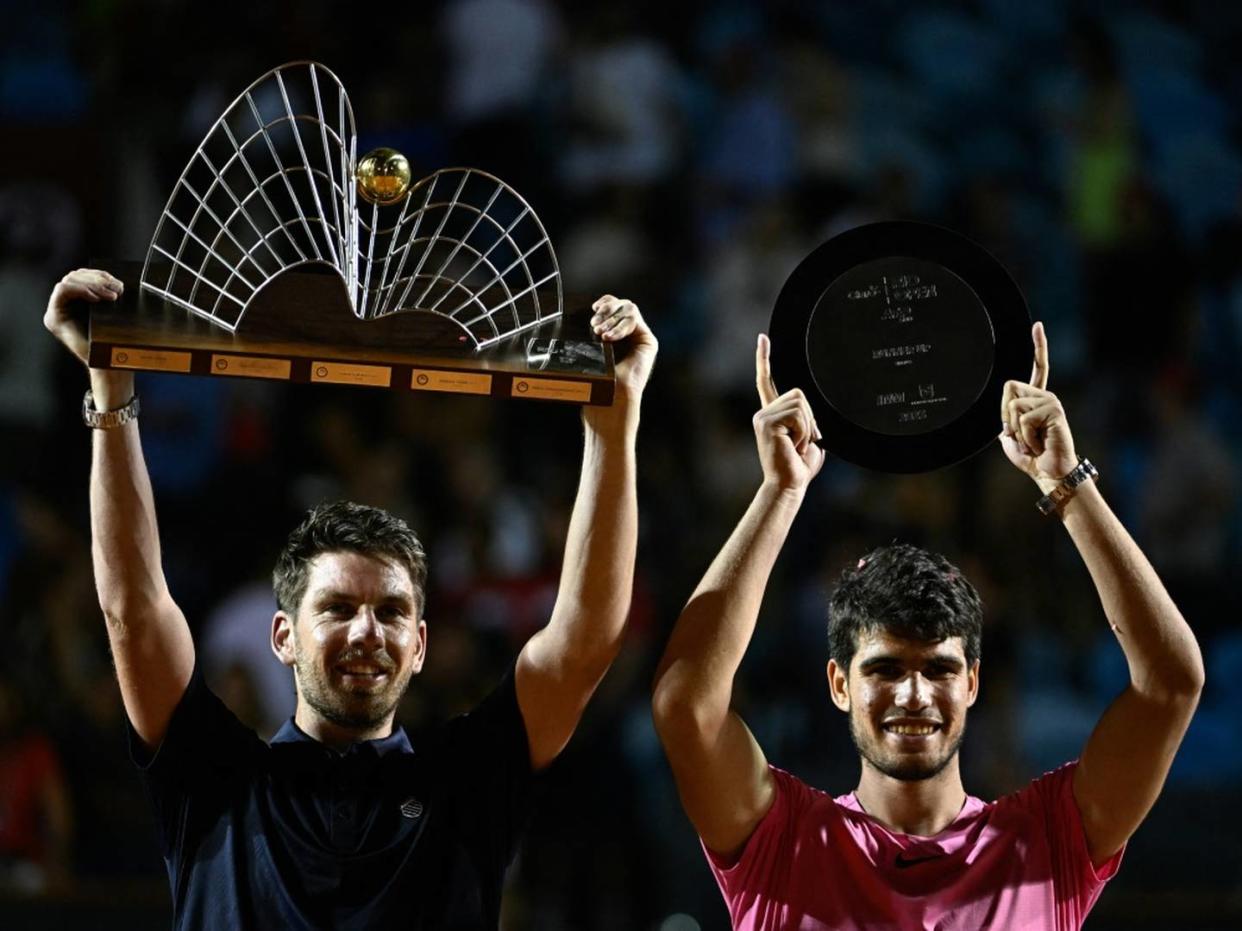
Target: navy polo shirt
295, 835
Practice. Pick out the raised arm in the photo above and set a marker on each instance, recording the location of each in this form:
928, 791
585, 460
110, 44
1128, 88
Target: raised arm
1127, 758
722, 775
150, 639
560, 666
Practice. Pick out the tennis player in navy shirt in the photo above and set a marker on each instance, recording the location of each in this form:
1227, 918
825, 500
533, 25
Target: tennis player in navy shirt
339, 822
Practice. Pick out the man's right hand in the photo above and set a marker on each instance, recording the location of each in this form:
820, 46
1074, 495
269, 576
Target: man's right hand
785, 429
84, 284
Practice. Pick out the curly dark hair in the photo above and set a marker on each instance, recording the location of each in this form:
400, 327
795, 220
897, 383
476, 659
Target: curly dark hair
357, 528
905, 591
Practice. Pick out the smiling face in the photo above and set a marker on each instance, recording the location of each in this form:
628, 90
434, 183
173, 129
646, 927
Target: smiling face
906, 701
354, 643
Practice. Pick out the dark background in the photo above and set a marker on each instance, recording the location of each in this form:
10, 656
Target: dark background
686, 156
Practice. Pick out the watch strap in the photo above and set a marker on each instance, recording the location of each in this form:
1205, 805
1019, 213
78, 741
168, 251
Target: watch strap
1065, 489
106, 420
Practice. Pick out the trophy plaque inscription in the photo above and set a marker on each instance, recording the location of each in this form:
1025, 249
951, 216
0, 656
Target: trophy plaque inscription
282, 255
901, 335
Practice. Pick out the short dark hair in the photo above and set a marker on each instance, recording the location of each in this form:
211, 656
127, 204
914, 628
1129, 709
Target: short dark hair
908, 592
344, 525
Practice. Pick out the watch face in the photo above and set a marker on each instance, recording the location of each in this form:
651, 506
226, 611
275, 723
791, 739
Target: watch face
902, 336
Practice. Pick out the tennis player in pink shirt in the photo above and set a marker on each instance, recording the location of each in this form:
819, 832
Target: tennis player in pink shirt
909, 848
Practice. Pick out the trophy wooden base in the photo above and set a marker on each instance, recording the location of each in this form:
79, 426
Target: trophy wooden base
300, 328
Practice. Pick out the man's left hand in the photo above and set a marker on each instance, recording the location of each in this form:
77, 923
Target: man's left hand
619, 321
1034, 432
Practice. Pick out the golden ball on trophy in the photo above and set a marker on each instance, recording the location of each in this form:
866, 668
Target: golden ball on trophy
383, 176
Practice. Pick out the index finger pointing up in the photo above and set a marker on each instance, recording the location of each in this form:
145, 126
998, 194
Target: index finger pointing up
1039, 371
763, 371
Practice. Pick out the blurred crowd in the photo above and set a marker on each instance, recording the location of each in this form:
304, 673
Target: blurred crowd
686, 156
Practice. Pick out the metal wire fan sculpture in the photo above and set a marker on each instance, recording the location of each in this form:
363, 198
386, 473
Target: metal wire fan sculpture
275, 185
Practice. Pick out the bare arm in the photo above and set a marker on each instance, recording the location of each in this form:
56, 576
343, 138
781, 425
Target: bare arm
1127, 758
721, 772
561, 666
150, 639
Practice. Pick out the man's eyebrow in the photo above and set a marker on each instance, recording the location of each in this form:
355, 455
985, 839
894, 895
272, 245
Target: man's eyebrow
881, 660
331, 594
398, 598
947, 660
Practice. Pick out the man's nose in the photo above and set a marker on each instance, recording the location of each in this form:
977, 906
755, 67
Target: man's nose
365, 627
914, 691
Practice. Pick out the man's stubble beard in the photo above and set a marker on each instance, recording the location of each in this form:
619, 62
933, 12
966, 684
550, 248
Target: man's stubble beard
911, 771
363, 712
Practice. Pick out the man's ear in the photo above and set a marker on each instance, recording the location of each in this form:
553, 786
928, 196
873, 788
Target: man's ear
282, 637
972, 684
420, 649
838, 685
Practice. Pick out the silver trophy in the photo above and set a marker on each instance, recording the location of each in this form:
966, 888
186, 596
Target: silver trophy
449, 283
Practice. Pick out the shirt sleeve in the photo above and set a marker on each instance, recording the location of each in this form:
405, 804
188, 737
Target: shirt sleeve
749, 882
489, 774
204, 753
1077, 882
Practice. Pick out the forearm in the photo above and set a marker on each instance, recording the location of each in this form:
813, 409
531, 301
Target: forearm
129, 577
151, 645
597, 574
705, 649
561, 666
1160, 648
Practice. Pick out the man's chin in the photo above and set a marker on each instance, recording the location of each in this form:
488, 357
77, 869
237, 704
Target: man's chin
906, 767
911, 771
370, 704
360, 711
356, 718
913, 767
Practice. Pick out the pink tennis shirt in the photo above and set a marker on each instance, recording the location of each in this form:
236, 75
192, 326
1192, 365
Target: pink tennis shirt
816, 862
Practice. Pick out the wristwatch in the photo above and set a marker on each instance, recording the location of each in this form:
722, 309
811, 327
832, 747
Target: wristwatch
106, 420
1055, 499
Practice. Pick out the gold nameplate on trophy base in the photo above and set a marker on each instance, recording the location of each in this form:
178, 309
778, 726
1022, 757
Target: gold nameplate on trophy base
455, 382
300, 328
549, 389
343, 373
251, 366
151, 360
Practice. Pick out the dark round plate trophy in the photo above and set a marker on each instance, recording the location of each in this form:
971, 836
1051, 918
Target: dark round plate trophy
283, 255
902, 336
